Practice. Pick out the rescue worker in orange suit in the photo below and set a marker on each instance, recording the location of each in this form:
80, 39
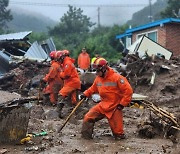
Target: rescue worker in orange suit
71, 80
52, 78
84, 60
115, 92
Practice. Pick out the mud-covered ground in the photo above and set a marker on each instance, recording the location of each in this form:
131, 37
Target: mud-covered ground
70, 141
165, 93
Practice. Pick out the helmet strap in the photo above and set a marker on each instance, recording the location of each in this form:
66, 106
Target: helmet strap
103, 70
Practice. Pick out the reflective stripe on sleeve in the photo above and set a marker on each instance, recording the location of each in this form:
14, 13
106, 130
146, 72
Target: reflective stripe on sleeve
114, 84
99, 84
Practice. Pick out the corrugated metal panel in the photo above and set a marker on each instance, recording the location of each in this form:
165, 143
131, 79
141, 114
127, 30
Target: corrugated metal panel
48, 45
51, 44
14, 36
36, 52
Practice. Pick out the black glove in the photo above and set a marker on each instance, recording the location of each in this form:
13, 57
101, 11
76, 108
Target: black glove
120, 107
82, 96
42, 83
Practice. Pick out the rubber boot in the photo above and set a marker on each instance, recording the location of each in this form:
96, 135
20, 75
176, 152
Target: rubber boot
119, 137
59, 109
46, 100
87, 130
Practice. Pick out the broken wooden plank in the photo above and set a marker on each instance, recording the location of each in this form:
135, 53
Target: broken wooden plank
19, 101
161, 113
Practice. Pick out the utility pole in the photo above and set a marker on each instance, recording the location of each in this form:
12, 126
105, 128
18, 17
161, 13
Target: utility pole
150, 11
98, 16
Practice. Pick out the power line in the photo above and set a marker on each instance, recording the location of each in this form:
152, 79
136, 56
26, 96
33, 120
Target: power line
76, 5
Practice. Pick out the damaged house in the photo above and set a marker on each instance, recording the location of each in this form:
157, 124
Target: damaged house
16, 46
164, 33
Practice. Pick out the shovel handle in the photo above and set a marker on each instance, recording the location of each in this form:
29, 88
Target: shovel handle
69, 116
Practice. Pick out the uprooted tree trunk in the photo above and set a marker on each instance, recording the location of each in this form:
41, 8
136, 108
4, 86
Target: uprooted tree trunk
161, 122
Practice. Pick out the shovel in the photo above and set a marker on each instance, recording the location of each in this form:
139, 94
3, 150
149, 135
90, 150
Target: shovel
67, 119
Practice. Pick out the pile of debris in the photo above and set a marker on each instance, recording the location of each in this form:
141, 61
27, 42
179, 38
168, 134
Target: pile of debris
155, 77
158, 79
160, 123
16, 47
23, 76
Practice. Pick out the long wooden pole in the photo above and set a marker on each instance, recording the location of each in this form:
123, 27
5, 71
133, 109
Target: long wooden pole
67, 119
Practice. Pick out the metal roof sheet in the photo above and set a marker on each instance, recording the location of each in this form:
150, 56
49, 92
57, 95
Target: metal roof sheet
153, 24
149, 25
14, 36
123, 35
36, 52
51, 44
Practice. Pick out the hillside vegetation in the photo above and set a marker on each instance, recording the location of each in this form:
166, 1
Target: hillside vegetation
26, 21
142, 17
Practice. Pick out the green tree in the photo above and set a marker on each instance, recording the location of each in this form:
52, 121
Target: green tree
172, 9
74, 32
142, 16
38, 37
72, 29
5, 15
102, 41
72, 22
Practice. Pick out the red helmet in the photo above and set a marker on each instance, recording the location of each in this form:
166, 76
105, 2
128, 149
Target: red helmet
100, 63
52, 54
66, 52
59, 54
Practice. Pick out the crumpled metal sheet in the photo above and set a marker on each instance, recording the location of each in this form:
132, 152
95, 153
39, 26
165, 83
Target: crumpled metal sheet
14, 36
36, 52
49, 46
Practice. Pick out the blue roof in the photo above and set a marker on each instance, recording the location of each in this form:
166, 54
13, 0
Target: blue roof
149, 25
123, 35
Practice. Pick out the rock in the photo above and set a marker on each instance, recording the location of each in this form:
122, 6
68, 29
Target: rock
2, 151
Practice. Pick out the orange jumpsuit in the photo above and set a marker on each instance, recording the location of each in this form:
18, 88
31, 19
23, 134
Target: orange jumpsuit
54, 81
71, 79
113, 89
84, 61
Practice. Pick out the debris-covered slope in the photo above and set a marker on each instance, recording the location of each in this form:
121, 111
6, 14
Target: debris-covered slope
165, 88
23, 76
139, 123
